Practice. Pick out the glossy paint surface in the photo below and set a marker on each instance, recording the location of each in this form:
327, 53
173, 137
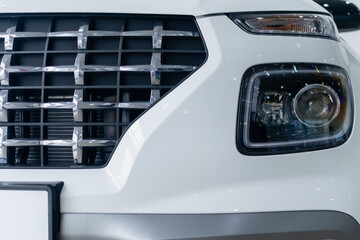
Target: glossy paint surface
181, 155
187, 7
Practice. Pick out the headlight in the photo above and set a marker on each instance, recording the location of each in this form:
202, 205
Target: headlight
293, 108
289, 24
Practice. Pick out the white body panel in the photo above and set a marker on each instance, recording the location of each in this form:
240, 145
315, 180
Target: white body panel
187, 7
352, 38
181, 156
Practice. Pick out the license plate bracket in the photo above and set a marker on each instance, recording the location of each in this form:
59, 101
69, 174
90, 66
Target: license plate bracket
30, 209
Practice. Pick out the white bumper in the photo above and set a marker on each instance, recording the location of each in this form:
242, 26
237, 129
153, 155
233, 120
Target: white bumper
181, 155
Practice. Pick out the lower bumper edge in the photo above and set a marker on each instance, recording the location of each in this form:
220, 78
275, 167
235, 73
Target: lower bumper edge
310, 225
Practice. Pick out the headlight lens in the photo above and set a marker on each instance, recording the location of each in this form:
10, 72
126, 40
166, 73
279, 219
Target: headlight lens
289, 24
316, 105
294, 107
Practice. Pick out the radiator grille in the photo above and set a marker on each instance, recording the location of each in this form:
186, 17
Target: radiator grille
72, 84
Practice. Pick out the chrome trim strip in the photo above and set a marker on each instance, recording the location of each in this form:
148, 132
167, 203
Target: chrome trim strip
21, 143
76, 146
158, 33
32, 105
10, 35
133, 105
83, 33
96, 143
4, 95
3, 148
123, 105
77, 101
79, 68
97, 105
56, 143
77, 105
154, 95
155, 68
6, 69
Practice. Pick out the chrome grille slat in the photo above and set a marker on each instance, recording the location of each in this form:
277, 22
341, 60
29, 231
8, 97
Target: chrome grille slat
68, 102
158, 33
80, 106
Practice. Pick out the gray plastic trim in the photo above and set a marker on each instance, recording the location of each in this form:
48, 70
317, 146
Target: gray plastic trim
309, 225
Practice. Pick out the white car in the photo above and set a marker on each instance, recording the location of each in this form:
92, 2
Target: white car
177, 120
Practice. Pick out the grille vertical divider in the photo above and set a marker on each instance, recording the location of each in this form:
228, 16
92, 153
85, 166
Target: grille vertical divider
124, 97
43, 149
118, 84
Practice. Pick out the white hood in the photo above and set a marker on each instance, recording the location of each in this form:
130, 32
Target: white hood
186, 7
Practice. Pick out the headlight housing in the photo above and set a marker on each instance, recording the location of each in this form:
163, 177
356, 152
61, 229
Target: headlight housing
317, 25
294, 107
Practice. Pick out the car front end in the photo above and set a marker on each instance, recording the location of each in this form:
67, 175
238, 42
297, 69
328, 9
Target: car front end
183, 120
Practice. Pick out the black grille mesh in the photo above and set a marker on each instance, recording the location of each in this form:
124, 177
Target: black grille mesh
72, 84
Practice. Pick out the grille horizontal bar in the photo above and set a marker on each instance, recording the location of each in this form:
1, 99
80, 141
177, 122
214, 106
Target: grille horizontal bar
71, 84
68, 105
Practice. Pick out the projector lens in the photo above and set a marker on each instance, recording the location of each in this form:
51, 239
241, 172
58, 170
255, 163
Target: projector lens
316, 105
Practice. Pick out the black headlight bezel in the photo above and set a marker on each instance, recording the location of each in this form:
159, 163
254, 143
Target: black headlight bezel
281, 148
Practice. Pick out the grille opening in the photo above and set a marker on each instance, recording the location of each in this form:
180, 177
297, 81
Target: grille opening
4, 24
106, 94
59, 95
63, 44
107, 59
107, 132
54, 132
33, 25
31, 60
107, 24
59, 156
58, 116
25, 116
59, 79
2, 46
136, 58
180, 25
191, 59
33, 44
135, 95
100, 116
60, 59
26, 132
24, 156
190, 44
65, 100
25, 79
101, 79
104, 44
139, 24
132, 43
172, 78
66, 24
134, 79
25, 95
